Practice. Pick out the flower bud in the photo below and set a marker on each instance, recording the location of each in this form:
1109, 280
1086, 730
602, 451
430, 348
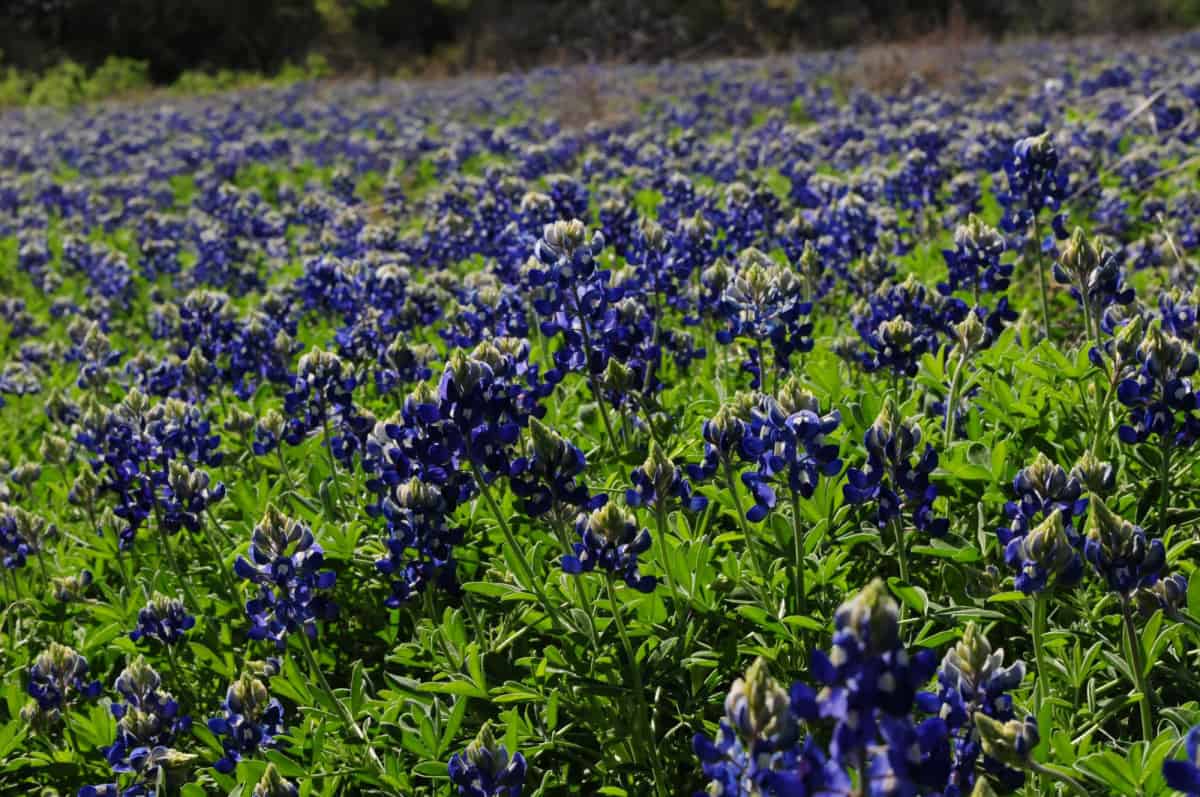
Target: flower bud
758, 707
1009, 742
873, 616
1098, 477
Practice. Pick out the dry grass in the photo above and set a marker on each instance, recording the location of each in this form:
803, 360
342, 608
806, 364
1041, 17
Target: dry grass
936, 57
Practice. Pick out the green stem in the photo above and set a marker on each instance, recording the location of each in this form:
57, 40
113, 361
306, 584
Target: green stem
751, 545
226, 573
314, 667
1039, 650
1164, 490
901, 548
169, 552
952, 399
596, 394
1101, 418
525, 572
333, 474
287, 473
635, 671
1061, 777
798, 543
41, 557
660, 518
1041, 272
1138, 666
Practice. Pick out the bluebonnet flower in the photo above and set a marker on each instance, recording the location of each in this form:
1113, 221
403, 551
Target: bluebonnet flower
252, 721
70, 589
658, 480
1159, 391
973, 679
900, 323
974, 264
487, 397
1168, 594
757, 749
1009, 742
1095, 278
547, 475
763, 304
57, 681
420, 540
1034, 183
21, 534
1040, 489
793, 429
729, 437
1183, 775
1120, 552
284, 563
321, 395
268, 432
869, 674
148, 724
1179, 313
896, 474
485, 769
611, 539
272, 784
186, 496
1096, 476
163, 620
1043, 554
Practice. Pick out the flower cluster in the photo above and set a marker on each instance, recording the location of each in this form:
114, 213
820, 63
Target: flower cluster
896, 474
548, 474
148, 724
658, 480
1041, 488
1120, 552
485, 769
162, 620
757, 748
1159, 392
762, 303
972, 679
420, 541
285, 563
610, 538
57, 680
252, 720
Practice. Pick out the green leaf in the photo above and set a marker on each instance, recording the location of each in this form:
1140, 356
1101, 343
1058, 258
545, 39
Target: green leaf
913, 597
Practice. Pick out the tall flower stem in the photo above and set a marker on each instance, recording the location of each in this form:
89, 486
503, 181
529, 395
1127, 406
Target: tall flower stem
1164, 490
315, 670
333, 473
798, 544
635, 671
897, 527
1061, 777
1039, 651
596, 394
660, 519
751, 544
952, 399
287, 472
226, 574
1138, 667
1036, 246
169, 552
525, 572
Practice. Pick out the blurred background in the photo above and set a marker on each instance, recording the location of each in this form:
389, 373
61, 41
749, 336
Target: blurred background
160, 41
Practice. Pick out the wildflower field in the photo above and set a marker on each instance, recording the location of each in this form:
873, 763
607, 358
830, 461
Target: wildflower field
720, 428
